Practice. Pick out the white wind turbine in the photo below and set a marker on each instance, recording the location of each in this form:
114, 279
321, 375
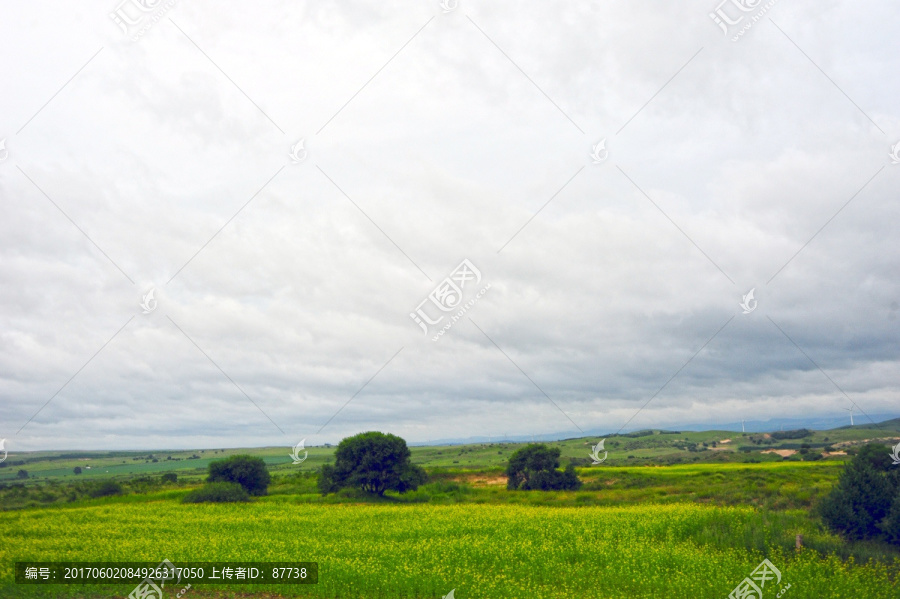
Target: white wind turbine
850, 409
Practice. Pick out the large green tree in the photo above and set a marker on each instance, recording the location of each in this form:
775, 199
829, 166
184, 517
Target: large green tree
535, 466
248, 471
374, 462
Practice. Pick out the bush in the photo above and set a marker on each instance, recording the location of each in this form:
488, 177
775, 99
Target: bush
549, 480
890, 526
535, 467
221, 492
77, 470
795, 434
249, 472
106, 489
862, 504
169, 477
22, 474
373, 462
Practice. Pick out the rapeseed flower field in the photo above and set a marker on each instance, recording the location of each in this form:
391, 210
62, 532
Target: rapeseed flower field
419, 550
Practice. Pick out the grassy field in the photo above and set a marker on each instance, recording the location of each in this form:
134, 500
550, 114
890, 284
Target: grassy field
693, 527
421, 550
772, 484
651, 447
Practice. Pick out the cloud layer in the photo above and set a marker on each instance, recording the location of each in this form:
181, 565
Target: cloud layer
284, 290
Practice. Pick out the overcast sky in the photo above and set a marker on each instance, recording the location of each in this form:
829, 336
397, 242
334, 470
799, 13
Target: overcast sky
600, 293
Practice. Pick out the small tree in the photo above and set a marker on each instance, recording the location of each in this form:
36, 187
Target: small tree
169, 477
374, 462
535, 467
22, 474
859, 505
248, 471
77, 470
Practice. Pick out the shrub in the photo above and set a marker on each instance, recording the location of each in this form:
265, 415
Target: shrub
861, 505
247, 471
535, 467
106, 489
22, 474
795, 434
77, 470
890, 526
169, 477
220, 492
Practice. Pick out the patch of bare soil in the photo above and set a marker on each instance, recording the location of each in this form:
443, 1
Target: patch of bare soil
485, 481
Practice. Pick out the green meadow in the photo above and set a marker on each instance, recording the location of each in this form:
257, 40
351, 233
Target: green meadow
674, 520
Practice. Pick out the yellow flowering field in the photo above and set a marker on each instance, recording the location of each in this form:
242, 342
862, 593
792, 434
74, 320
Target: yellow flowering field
419, 550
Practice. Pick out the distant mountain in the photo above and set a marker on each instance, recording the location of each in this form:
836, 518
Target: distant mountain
888, 422
814, 423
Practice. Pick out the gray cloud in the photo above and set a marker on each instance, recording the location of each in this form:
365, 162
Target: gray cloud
302, 294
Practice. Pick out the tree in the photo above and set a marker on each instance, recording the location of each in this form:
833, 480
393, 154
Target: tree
22, 474
860, 505
169, 477
374, 462
77, 470
535, 467
248, 471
